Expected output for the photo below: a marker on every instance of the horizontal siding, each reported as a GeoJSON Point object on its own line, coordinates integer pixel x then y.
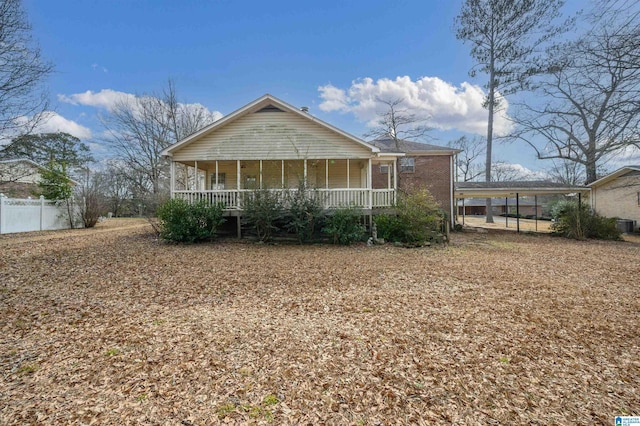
{"type": "Point", "coordinates": [271, 136]}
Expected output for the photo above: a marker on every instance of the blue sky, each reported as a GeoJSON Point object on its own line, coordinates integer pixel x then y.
{"type": "Point", "coordinates": [224, 54]}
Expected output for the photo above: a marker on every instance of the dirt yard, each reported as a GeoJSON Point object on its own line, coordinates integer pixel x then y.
{"type": "Point", "coordinates": [110, 326]}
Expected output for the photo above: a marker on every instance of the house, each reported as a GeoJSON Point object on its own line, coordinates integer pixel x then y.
{"type": "Point", "coordinates": [618, 194]}
{"type": "Point", "coordinates": [423, 164]}
{"type": "Point", "coordinates": [500, 206]}
{"type": "Point", "coordinates": [19, 177]}
{"type": "Point", "coordinates": [270, 144]}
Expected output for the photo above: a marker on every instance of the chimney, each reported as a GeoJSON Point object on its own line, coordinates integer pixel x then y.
{"type": "Point", "coordinates": [304, 109]}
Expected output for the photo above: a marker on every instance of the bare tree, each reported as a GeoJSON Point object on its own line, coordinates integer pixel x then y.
{"type": "Point", "coordinates": [140, 128]}
{"type": "Point", "coordinates": [398, 124]}
{"type": "Point", "coordinates": [566, 172]}
{"type": "Point", "coordinates": [591, 93]}
{"type": "Point", "coordinates": [22, 72]}
{"type": "Point", "coordinates": [467, 165]}
{"type": "Point", "coordinates": [506, 172]}
{"type": "Point", "coordinates": [505, 38]}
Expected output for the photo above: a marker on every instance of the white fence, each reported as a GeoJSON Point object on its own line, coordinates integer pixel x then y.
{"type": "Point", "coordinates": [25, 215]}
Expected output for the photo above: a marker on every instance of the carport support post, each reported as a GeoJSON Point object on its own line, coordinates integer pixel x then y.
{"type": "Point", "coordinates": [506, 212]}
{"type": "Point", "coordinates": [518, 211]}
{"type": "Point", "coordinates": [464, 211]}
{"type": "Point", "coordinates": [535, 202]}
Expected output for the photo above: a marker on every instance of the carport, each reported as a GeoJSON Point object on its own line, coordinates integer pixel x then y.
{"type": "Point", "coordinates": [516, 189]}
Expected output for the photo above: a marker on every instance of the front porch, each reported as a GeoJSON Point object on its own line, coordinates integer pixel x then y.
{"type": "Point", "coordinates": [334, 182]}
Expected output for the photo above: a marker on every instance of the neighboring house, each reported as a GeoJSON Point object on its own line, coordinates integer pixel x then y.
{"type": "Point", "coordinates": [500, 206]}
{"type": "Point", "coordinates": [272, 145]}
{"type": "Point", "coordinates": [618, 194]}
{"type": "Point", "coordinates": [431, 166]}
{"type": "Point", "coordinates": [19, 178]}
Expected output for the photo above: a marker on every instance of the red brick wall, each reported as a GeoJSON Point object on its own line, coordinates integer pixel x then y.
{"type": "Point", "coordinates": [431, 171]}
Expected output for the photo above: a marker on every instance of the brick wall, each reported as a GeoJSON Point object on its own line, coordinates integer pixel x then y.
{"type": "Point", "coordinates": [431, 171]}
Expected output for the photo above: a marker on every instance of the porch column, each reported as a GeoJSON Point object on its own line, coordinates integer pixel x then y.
{"type": "Point", "coordinates": [389, 175]}
{"type": "Point", "coordinates": [196, 178]}
{"type": "Point", "coordinates": [326, 173]}
{"type": "Point", "coordinates": [370, 185]}
{"type": "Point", "coordinates": [348, 174]}
{"type": "Point", "coordinates": [395, 179]}
{"type": "Point", "coordinates": [217, 187]}
{"type": "Point", "coordinates": [282, 170]}
{"type": "Point", "coordinates": [173, 178]}
{"type": "Point", "coordinates": [305, 172]}
{"type": "Point", "coordinates": [260, 174]}
{"type": "Point", "coordinates": [238, 173]}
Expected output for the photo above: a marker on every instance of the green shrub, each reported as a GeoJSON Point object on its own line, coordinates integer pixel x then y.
{"type": "Point", "coordinates": [343, 226]}
{"type": "Point", "coordinates": [303, 213]}
{"type": "Point", "coordinates": [418, 219]}
{"type": "Point", "coordinates": [263, 209]}
{"type": "Point", "coordinates": [183, 222]}
{"type": "Point", "coordinates": [573, 220]}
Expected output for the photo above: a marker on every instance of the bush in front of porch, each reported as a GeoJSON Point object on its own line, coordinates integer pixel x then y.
{"type": "Point", "coordinates": [418, 219]}
{"type": "Point", "coordinates": [184, 222]}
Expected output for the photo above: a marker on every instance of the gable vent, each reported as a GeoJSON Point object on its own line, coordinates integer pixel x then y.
{"type": "Point", "coordinates": [270, 108]}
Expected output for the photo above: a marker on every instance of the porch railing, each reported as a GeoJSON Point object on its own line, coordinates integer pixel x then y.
{"type": "Point", "coordinates": [232, 199]}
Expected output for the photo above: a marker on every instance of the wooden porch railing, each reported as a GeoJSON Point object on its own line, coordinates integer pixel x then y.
{"type": "Point", "coordinates": [330, 198]}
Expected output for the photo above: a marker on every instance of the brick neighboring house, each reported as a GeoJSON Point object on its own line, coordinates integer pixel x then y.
{"type": "Point", "coordinates": [422, 164]}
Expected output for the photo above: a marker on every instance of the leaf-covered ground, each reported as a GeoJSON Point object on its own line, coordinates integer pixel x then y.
{"type": "Point", "coordinates": [111, 326]}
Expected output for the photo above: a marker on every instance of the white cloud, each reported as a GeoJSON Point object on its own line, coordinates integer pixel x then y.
{"type": "Point", "coordinates": [106, 98]}
{"type": "Point", "coordinates": [52, 122]}
{"type": "Point", "coordinates": [109, 99]}
{"type": "Point", "coordinates": [447, 106]}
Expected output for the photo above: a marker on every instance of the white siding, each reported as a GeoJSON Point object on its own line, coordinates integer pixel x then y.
{"type": "Point", "coordinates": [271, 136]}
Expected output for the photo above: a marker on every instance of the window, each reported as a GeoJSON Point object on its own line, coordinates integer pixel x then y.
{"type": "Point", "coordinates": [639, 198]}
{"type": "Point", "coordinates": [407, 165]}
{"type": "Point", "coordinates": [222, 177]}
{"type": "Point", "coordinates": [384, 169]}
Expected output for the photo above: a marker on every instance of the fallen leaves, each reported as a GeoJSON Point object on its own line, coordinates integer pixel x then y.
{"type": "Point", "coordinates": [110, 326]}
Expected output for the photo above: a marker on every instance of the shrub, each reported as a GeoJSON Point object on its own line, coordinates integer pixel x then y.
{"type": "Point", "coordinates": [262, 211]}
{"type": "Point", "coordinates": [183, 222]}
{"type": "Point", "coordinates": [303, 213]}
{"type": "Point", "coordinates": [418, 219]}
{"type": "Point", "coordinates": [343, 226]}
{"type": "Point", "coordinates": [573, 220]}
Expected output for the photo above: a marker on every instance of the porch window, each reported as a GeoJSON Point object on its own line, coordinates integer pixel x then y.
{"type": "Point", "coordinates": [639, 198]}
{"type": "Point", "coordinates": [222, 177]}
{"type": "Point", "coordinates": [407, 165]}
{"type": "Point", "coordinates": [384, 169]}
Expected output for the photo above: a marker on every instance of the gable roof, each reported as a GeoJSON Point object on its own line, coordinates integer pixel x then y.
{"type": "Point", "coordinates": [267, 102]}
{"type": "Point", "coordinates": [388, 145]}
{"type": "Point", "coordinates": [23, 160]}
{"type": "Point", "coordinates": [611, 176]}
{"type": "Point", "coordinates": [33, 164]}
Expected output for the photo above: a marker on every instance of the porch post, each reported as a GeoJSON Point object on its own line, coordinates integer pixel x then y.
{"type": "Point", "coordinates": [326, 173]}
{"type": "Point", "coordinates": [217, 187]}
{"type": "Point", "coordinates": [348, 174]}
{"type": "Point", "coordinates": [260, 174]}
{"type": "Point", "coordinates": [395, 179]}
{"type": "Point", "coordinates": [238, 173]}
{"type": "Point", "coordinates": [282, 170]}
{"type": "Point", "coordinates": [370, 184]}
{"type": "Point", "coordinates": [173, 178]}
{"type": "Point", "coordinates": [389, 175]}
{"type": "Point", "coordinates": [305, 172]}
{"type": "Point", "coordinates": [196, 177]}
